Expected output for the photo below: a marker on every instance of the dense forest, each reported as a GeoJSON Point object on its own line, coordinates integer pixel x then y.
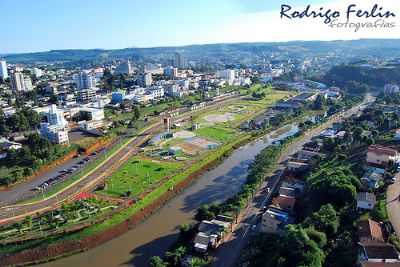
{"type": "Point", "coordinates": [360, 79]}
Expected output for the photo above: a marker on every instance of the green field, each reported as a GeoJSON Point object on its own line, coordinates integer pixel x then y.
{"type": "Point", "coordinates": [216, 133]}
{"type": "Point", "coordinates": [138, 175]}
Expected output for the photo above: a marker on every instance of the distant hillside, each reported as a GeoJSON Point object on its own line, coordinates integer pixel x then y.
{"type": "Point", "coordinates": [379, 47]}
{"type": "Point", "coordinates": [360, 78]}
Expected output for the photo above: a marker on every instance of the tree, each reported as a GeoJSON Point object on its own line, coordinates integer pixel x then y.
{"type": "Point", "coordinates": [325, 220]}
{"type": "Point", "coordinates": [334, 185]}
{"type": "Point", "coordinates": [294, 248]}
{"type": "Point", "coordinates": [136, 112]}
{"type": "Point", "coordinates": [157, 262]}
{"type": "Point", "coordinates": [204, 213]}
{"type": "Point", "coordinates": [343, 251]}
{"type": "Point", "coordinates": [318, 237]}
{"type": "Point", "coordinates": [300, 249]}
{"type": "Point", "coordinates": [186, 232]}
{"type": "Point", "coordinates": [175, 256]}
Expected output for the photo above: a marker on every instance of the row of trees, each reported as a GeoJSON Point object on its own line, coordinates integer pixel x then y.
{"type": "Point", "coordinates": [23, 120]}
{"type": "Point", "coordinates": [35, 153]}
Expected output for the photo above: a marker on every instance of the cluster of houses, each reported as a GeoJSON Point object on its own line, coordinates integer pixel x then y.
{"type": "Point", "coordinates": [378, 159]}
{"type": "Point", "coordinates": [280, 212]}
{"type": "Point", "coordinates": [212, 233]}
{"type": "Point", "coordinates": [374, 249]}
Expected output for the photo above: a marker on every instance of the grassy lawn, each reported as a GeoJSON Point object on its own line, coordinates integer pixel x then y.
{"type": "Point", "coordinates": [222, 135]}
{"type": "Point", "coordinates": [137, 175]}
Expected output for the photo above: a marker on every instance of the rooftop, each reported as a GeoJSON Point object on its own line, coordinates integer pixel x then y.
{"type": "Point", "coordinates": [365, 196]}
{"type": "Point", "coordinates": [369, 229]}
{"type": "Point", "coordinates": [380, 251]}
{"type": "Point", "coordinates": [381, 150]}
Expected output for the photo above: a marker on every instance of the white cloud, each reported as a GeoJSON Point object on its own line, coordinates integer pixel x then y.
{"type": "Point", "coordinates": [268, 26]}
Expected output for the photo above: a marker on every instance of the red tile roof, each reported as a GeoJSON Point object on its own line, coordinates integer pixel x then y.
{"type": "Point", "coordinates": [370, 230]}
{"type": "Point", "coordinates": [381, 150]}
{"type": "Point", "coordinates": [284, 202]}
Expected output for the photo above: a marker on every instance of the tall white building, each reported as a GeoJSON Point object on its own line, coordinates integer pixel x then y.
{"type": "Point", "coordinates": [147, 79]}
{"type": "Point", "coordinates": [20, 82]}
{"type": "Point", "coordinates": [179, 60]}
{"type": "Point", "coordinates": [56, 117]}
{"type": "Point", "coordinates": [56, 127]}
{"type": "Point", "coordinates": [28, 83]}
{"type": "Point", "coordinates": [37, 72]}
{"type": "Point", "coordinates": [227, 75]}
{"type": "Point", "coordinates": [84, 80]}
{"type": "Point", "coordinates": [171, 72]}
{"type": "Point", "coordinates": [125, 68]}
{"type": "Point", "coordinates": [17, 82]}
{"type": "Point", "coordinates": [3, 69]}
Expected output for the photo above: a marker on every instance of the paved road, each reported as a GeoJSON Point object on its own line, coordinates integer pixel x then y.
{"type": "Point", "coordinates": [228, 254]}
{"type": "Point", "coordinates": [393, 204]}
{"type": "Point", "coordinates": [24, 190]}
{"type": "Point", "coordinates": [89, 181]}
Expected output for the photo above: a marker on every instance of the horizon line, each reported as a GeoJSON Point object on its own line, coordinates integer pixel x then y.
{"type": "Point", "coordinates": [188, 45]}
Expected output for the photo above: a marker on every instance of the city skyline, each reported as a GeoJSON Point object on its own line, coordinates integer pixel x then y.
{"type": "Point", "coordinates": [45, 25]}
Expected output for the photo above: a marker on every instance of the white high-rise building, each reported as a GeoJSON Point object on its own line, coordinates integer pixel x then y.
{"type": "Point", "coordinates": [84, 80]}
{"type": "Point", "coordinates": [3, 69]}
{"type": "Point", "coordinates": [17, 82]}
{"type": "Point", "coordinates": [20, 82]}
{"type": "Point", "coordinates": [28, 83]}
{"type": "Point", "coordinates": [37, 72]}
{"type": "Point", "coordinates": [147, 80]}
{"type": "Point", "coordinates": [171, 72]}
{"type": "Point", "coordinates": [56, 117]}
{"type": "Point", "coordinates": [179, 61]}
{"type": "Point", "coordinates": [228, 75]}
{"type": "Point", "coordinates": [125, 68]}
{"type": "Point", "coordinates": [56, 129]}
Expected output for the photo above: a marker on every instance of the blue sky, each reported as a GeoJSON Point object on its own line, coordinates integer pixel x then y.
{"type": "Point", "coordinates": [39, 25]}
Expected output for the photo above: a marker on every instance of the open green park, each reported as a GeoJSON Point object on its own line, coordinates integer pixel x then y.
{"type": "Point", "coordinates": [137, 175]}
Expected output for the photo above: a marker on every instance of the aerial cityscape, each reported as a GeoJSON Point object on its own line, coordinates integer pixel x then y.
{"type": "Point", "coordinates": [142, 134]}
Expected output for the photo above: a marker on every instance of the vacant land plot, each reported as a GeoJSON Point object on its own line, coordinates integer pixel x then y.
{"type": "Point", "coordinates": [184, 134]}
{"type": "Point", "coordinates": [137, 176]}
{"type": "Point", "coordinates": [218, 118]}
{"type": "Point", "coordinates": [216, 133]}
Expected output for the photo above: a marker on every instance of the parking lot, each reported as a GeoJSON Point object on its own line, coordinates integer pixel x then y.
{"type": "Point", "coordinates": [44, 182]}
